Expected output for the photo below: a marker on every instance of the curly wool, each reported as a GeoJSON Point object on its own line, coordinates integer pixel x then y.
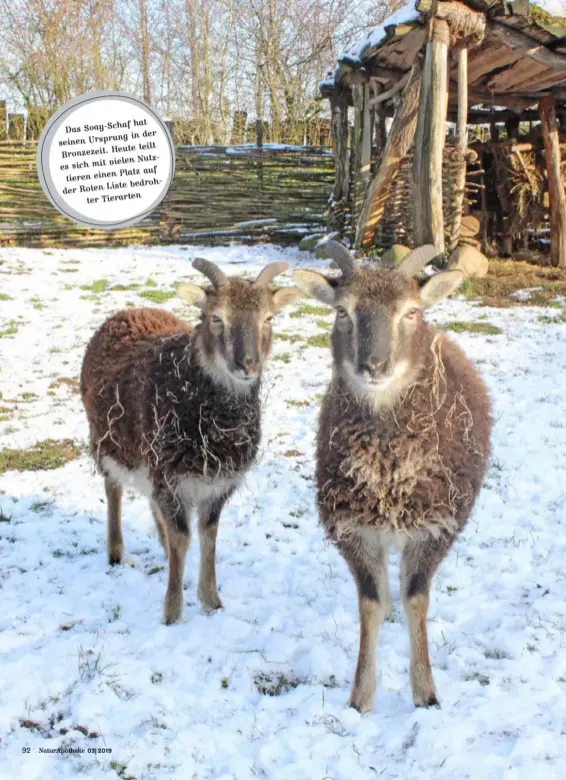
{"type": "Point", "coordinates": [416, 465]}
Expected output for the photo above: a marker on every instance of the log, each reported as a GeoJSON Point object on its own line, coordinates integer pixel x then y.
{"type": "Point", "coordinates": [461, 145]}
{"type": "Point", "coordinates": [429, 143]}
{"type": "Point", "coordinates": [398, 143]}
{"type": "Point", "coordinates": [383, 96]}
{"type": "Point", "coordinates": [340, 132]}
{"type": "Point", "coordinates": [547, 108]}
{"type": "Point", "coordinates": [367, 128]}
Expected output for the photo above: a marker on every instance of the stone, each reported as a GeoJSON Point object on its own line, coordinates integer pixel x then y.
{"type": "Point", "coordinates": [470, 261]}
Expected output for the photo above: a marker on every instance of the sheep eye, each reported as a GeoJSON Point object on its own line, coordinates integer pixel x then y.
{"type": "Point", "coordinates": [216, 319]}
{"type": "Point", "coordinates": [341, 312]}
{"type": "Point", "coordinates": [410, 314]}
{"type": "Point", "coordinates": [268, 319]}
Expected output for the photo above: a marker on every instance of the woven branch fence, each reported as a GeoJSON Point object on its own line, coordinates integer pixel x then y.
{"type": "Point", "coordinates": [218, 194]}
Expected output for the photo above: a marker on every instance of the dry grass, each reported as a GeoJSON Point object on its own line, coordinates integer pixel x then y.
{"type": "Point", "coordinates": [508, 276]}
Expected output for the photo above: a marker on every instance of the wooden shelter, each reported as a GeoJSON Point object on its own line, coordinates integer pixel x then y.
{"type": "Point", "coordinates": [476, 91]}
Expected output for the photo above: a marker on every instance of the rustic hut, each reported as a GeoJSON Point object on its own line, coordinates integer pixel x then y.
{"type": "Point", "coordinates": [475, 94]}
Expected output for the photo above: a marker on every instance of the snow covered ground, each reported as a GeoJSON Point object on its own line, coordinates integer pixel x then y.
{"type": "Point", "coordinates": [85, 660]}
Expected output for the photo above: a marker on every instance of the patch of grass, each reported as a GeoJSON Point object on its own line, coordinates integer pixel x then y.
{"type": "Point", "coordinates": [124, 287]}
{"type": "Point", "coordinates": [42, 456]}
{"type": "Point", "coordinates": [284, 357]}
{"type": "Point", "coordinates": [98, 286]}
{"type": "Point", "coordinates": [506, 277]}
{"type": "Point", "coordinates": [275, 684]}
{"type": "Point", "coordinates": [307, 308]}
{"type": "Point", "coordinates": [5, 297]}
{"type": "Point", "coordinates": [459, 326]}
{"type": "Point", "coordinates": [224, 683]}
{"type": "Point", "coordinates": [37, 303]}
{"type": "Point", "coordinates": [545, 319]}
{"type": "Point", "coordinates": [321, 340]}
{"type": "Point", "coordinates": [120, 770]}
{"type": "Point", "coordinates": [156, 678]}
{"type": "Point", "coordinates": [293, 338]}
{"type": "Point", "coordinates": [150, 282]}
{"type": "Point", "coordinates": [498, 655]}
{"type": "Point", "coordinates": [157, 296]}
{"type": "Point", "coordinates": [481, 678]}
{"type": "Point", "coordinates": [324, 324]}
{"type": "Point", "coordinates": [156, 569]}
{"type": "Point", "coordinates": [67, 381]}
{"type": "Point", "coordinates": [292, 402]}
{"type": "Point", "coordinates": [10, 330]}
{"type": "Point", "coordinates": [29, 396]}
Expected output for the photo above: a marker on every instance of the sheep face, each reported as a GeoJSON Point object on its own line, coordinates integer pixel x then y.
{"type": "Point", "coordinates": [234, 334]}
{"type": "Point", "coordinates": [376, 335]}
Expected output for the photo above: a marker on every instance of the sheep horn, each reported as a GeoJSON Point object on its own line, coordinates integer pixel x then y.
{"type": "Point", "coordinates": [211, 271]}
{"type": "Point", "coordinates": [269, 272]}
{"type": "Point", "coordinates": [345, 259]}
{"type": "Point", "coordinates": [415, 261]}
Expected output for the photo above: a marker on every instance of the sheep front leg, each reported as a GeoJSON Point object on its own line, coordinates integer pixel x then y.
{"type": "Point", "coordinates": [209, 517]}
{"type": "Point", "coordinates": [161, 527]}
{"type": "Point", "coordinates": [115, 539]}
{"type": "Point", "coordinates": [365, 556]}
{"type": "Point", "coordinates": [419, 561]}
{"type": "Point", "coordinates": [176, 518]}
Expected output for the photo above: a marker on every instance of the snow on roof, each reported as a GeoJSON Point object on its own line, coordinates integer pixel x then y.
{"type": "Point", "coordinates": [375, 35]}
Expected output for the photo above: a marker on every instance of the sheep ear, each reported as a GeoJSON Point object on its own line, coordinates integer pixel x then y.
{"type": "Point", "coordinates": [440, 286]}
{"type": "Point", "coordinates": [285, 296]}
{"type": "Point", "coordinates": [192, 294]}
{"type": "Point", "coordinates": [315, 286]}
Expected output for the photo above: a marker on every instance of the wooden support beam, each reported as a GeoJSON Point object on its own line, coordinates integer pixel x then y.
{"type": "Point", "coordinates": [340, 131]}
{"type": "Point", "coordinates": [428, 225]}
{"type": "Point", "coordinates": [459, 183]}
{"type": "Point", "coordinates": [367, 132]}
{"type": "Point", "coordinates": [547, 108]}
{"type": "Point", "coordinates": [383, 96]}
{"type": "Point", "coordinates": [398, 143]}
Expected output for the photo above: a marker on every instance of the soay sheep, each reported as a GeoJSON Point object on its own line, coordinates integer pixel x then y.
{"type": "Point", "coordinates": [176, 412]}
{"type": "Point", "coordinates": [403, 445]}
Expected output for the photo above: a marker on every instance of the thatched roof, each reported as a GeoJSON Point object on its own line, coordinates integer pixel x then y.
{"type": "Point", "coordinates": [517, 51]}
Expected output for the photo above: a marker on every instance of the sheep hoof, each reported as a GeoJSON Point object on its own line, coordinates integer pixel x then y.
{"type": "Point", "coordinates": [210, 603]}
{"type": "Point", "coordinates": [361, 701]}
{"type": "Point", "coordinates": [115, 557]}
{"type": "Point", "coordinates": [430, 701]}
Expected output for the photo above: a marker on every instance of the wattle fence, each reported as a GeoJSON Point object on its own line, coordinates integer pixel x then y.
{"type": "Point", "coordinates": [218, 194]}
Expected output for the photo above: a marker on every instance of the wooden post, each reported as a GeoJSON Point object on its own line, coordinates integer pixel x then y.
{"type": "Point", "coordinates": [3, 120]}
{"type": "Point", "coordinates": [547, 110]}
{"type": "Point", "coordinates": [429, 142]}
{"type": "Point", "coordinates": [340, 132]}
{"type": "Point", "coordinates": [365, 171]}
{"type": "Point", "coordinates": [398, 143]}
{"type": "Point", "coordinates": [459, 182]}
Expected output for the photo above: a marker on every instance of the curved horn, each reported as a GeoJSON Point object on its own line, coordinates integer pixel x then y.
{"type": "Point", "coordinates": [416, 260]}
{"type": "Point", "coordinates": [269, 272]}
{"type": "Point", "coordinates": [345, 259]}
{"type": "Point", "coordinates": [211, 271]}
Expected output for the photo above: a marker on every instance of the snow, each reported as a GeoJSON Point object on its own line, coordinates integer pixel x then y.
{"type": "Point", "coordinates": [375, 35]}
{"type": "Point", "coordinates": [82, 645]}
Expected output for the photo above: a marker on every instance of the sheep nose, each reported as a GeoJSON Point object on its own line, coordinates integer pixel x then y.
{"type": "Point", "coordinates": [373, 364]}
{"type": "Point", "coordinates": [247, 364]}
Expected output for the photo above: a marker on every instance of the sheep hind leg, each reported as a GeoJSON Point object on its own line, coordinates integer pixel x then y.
{"type": "Point", "coordinates": [365, 556]}
{"type": "Point", "coordinates": [176, 518]}
{"type": "Point", "coordinates": [209, 517]}
{"type": "Point", "coordinates": [161, 527]}
{"type": "Point", "coordinates": [115, 539]}
{"type": "Point", "coordinates": [419, 561]}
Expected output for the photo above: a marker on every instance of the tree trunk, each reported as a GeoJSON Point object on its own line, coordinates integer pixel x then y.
{"type": "Point", "coordinates": [340, 131]}
{"type": "Point", "coordinates": [145, 52]}
{"type": "Point", "coordinates": [547, 109]}
{"type": "Point", "coordinates": [429, 143]}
